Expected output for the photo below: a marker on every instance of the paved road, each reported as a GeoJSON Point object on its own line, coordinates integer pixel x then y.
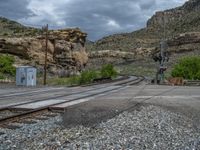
{"type": "Point", "coordinates": [184, 100]}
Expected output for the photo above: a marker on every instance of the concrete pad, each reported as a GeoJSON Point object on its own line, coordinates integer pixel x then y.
{"type": "Point", "coordinates": [91, 94]}
{"type": "Point", "coordinates": [37, 105]}
{"type": "Point", "coordinates": [16, 93]}
{"type": "Point", "coordinates": [67, 104]}
{"type": "Point", "coordinates": [182, 99]}
{"type": "Point", "coordinates": [100, 95]}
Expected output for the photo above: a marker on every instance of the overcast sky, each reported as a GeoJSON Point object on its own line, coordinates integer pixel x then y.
{"type": "Point", "coordinates": [96, 17]}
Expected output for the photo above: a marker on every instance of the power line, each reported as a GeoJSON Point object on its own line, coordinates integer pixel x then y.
{"type": "Point", "coordinates": [39, 25]}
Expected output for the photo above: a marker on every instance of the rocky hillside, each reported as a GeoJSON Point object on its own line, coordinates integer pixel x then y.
{"type": "Point", "coordinates": [66, 48]}
{"type": "Point", "coordinates": [184, 19]}
{"type": "Point", "coordinates": [9, 28]}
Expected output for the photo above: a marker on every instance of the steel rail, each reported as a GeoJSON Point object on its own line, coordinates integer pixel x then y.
{"type": "Point", "coordinates": [55, 97]}
{"type": "Point", "coordinates": [32, 93]}
{"type": "Point", "coordinates": [46, 108]}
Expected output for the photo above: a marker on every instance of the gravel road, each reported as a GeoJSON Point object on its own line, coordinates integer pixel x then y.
{"type": "Point", "coordinates": [150, 127]}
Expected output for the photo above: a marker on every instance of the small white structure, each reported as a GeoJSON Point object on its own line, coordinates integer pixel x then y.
{"type": "Point", "coordinates": [26, 76]}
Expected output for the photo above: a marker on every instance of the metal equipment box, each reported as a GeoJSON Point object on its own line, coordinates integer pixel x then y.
{"type": "Point", "coordinates": [26, 76]}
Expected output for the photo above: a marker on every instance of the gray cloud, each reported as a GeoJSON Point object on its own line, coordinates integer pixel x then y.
{"type": "Point", "coordinates": [146, 5]}
{"type": "Point", "coordinates": [14, 9]}
{"type": "Point", "coordinates": [97, 17]}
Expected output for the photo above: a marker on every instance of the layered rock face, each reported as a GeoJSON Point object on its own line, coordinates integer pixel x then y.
{"type": "Point", "coordinates": [66, 51]}
{"type": "Point", "coordinates": [98, 58]}
{"type": "Point", "coordinates": [164, 17]}
{"type": "Point", "coordinates": [69, 50]}
{"type": "Point", "coordinates": [185, 42]}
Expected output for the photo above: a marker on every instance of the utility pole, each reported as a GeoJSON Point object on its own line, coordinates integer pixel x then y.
{"type": "Point", "coordinates": [46, 49]}
{"type": "Point", "coordinates": [163, 48]}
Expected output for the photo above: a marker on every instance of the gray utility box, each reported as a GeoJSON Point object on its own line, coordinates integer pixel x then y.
{"type": "Point", "coordinates": [26, 76]}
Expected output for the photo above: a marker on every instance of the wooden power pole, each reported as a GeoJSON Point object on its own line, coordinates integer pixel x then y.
{"type": "Point", "coordinates": [46, 49]}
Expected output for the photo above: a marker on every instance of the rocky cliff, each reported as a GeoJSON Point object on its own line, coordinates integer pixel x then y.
{"type": "Point", "coordinates": [66, 51]}
{"type": "Point", "coordinates": [178, 20]}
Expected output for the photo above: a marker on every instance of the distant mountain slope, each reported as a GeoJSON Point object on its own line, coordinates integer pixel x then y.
{"type": "Point", "coordinates": [13, 28]}
{"type": "Point", "coordinates": [178, 20]}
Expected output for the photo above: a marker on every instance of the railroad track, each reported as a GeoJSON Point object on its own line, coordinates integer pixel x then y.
{"type": "Point", "coordinates": [44, 109]}
{"type": "Point", "coordinates": [193, 83]}
{"type": "Point", "coordinates": [51, 89]}
{"type": "Point", "coordinates": [27, 93]}
{"type": "Point", "coordinates": [24, 95]}
{"type": "Point", "coordinates": [31, 92]}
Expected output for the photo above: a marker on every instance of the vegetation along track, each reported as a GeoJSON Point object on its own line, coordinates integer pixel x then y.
{"type": "Point", "coordinates": [27, 114]}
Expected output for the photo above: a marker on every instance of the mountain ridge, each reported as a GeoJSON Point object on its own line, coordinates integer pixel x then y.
{"type": "Point", "coordinates": [10, 28]}
{"type": "Point", "coordinates": [185, 18]}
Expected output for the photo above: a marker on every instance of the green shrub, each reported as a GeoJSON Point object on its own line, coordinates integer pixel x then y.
{"type": "Point", "coordinates": [188, 68]}
{"type": "Point", "coordinates": [74, 80]}
{"type": "Point", "coordinates": [108, 71]}
{"type": "Point", "coordinates": [6, 65]}
{"type": "Point", "coordinates": [2, 76]}
{"type": "Point", "coordinates": [197, 76]}
{"type": "Point", "coordinates": [88, 76]}
{"type": "Point", "coordinates": [5, 34]}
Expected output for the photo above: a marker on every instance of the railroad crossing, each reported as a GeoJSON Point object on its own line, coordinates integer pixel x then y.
{"type": "Point", "coordinates": [118, 96]}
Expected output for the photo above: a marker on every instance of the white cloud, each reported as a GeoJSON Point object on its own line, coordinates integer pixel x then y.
{"type": "Point", "coordinates": [47, 11]}
{"type": "Point", "coordinates": [113, 24]}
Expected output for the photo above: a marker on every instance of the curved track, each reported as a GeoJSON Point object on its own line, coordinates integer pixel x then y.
{"type": "Point", "coordinates": [61, 92]}
{"type": "Point", "coordinates": [51, 89]}
{"type": "Point", "coordinates": [111, 87]}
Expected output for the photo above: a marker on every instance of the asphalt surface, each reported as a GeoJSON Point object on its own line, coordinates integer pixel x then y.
{"type": "Point", "coordinates": [182, 100]}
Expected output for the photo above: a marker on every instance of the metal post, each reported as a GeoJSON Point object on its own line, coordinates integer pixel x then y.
{"type": "Point", "coordinates": [164, 24]}
{"type": "Point", "coordinates": [162, 55]}
{"type": "Point", "coordinates": [162, 52]}
{"type": "Point", "coordinates": [163, 49]}
{"type": "Point", "coordinates": [46, 49]}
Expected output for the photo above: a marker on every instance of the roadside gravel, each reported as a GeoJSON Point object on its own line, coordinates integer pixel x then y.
{"type": "Point", "coordinates": [151, 127]}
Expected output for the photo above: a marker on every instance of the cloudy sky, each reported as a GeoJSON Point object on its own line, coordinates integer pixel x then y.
{"type": "Point", "coordinates": [96, 17]}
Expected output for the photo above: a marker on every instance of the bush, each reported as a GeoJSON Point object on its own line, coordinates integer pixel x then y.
{"type": "Point", "coordinates": [188, 68]}
{"type": "Point", "coordinates": [108, 71]}
{"type": "Point", "coordinates": [2, 76]}
{"type": "Point", "coordinates": [5, 34]}
{"type": "Point", "coordinates": [6, 65]}
{"type": "Point", "coordinates": [88, 76]}
{"type": "Point", "coordinates": [74, 80]}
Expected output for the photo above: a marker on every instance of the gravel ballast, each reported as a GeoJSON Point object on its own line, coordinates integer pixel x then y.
{"type": "Point", "coordinates": [151, 127]}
